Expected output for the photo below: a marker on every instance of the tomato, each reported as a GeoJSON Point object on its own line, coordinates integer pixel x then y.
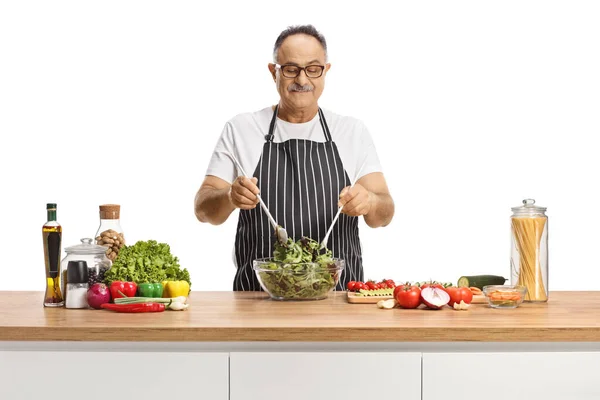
{"type": "Point", "coordinates": [401, 286]}
{"type": "Point", "coordinates": [371, 285]}
{"type": "Point", "coordinates": [459, 293]}
{"type": "Point", "coordinates": [387, 283]}
{"type": "Point", "coordinates": [408, 296]}
{"type": "Point", "coordinates": [359, 285]}
{"type": "Point", "coordinates": [432, 284]}
{"type": "Point", "coordinates": [351, 286]}
{"type": "Point", "coordinates": [397, 289]}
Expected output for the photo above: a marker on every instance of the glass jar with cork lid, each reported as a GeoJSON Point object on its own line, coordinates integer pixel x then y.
{"type": "Point", "coordinates": [529, 250]}
{"type": "Point", "coordinates": [110, 234]}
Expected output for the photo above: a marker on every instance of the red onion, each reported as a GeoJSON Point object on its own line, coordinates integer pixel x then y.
{"type": "Point", "coordinates": [434, 298]}
{"type": "Point", "coordinates": [97, 295]}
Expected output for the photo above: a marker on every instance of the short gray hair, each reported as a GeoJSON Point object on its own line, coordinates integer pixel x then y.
{"type": "Point", "coordinates": [299, 29]}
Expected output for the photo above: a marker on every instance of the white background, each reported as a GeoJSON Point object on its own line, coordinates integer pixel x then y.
{"type": "Point", "coordinates": [473, 106]}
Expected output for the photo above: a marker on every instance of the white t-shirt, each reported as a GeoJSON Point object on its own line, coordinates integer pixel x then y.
{"type": "Point", "coordinates": [244, 135]}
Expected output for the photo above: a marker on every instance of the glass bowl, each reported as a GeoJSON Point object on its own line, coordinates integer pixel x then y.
{"type": "Point", "coordinates": [298, 281]}
{"type": "Point", "coordinates": [504, 296]}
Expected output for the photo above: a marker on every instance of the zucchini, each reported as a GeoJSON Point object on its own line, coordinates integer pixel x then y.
{"type": "Point", "coordinates": [479, 281]}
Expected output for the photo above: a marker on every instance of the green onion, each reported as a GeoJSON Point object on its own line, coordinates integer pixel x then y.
{"type": "Point", "coordinates": [136, 300]}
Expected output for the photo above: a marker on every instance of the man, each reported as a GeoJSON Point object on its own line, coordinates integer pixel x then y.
{"type": "Point", "coordinates": [303, 161]}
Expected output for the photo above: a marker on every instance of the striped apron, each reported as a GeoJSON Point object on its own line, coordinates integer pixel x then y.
{"type": "Point", "coordinates": [300, 181]}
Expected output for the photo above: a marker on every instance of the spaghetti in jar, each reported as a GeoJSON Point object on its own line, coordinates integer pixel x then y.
{"type": "Point", "coordinates": [529, 250]}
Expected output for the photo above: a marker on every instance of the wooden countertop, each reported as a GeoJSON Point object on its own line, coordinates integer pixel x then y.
{"type": "Point", "coordinates": [252, 316]}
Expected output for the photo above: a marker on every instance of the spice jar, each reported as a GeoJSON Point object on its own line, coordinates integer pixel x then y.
{"type": "Point", "coordinates": [95, 257]}
{"type": "Point", "coordinates": [109, 234]}
{"type": "Point", "coordinates": [77, 284]}
{"type": "Point", "coordinates": [529, 250]}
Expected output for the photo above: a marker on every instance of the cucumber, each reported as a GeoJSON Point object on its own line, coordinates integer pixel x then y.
{"type": "Point", "coordinates": [376, 292]}
{"type": "Point", "coordinates": [479, 281]}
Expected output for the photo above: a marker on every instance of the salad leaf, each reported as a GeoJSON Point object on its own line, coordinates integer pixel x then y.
{"type": "Point", "coordinates": [303, 270]}
{"type": "Point", "coordinates": [304, 250]}
{"type": "Point", "coordinates": [146, 262]}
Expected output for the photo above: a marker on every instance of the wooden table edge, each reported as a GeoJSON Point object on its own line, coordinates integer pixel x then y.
{"type": "Point", "coordinates": [269, 334]}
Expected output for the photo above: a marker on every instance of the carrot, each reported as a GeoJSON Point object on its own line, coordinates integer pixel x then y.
{"type": "Point", "coordinates": [511, 296]}
{"type": "Point", "coordinates": [475, 290]}
{"type": "Point", "coordinates": [496, 296]}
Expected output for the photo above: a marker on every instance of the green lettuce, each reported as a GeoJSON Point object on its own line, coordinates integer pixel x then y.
{"type": "Point", "coordinates": [146, 262]}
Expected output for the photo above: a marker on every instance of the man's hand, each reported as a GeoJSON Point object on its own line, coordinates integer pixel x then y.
{"type": "Point", "coordinates": [243, 193]}
{"type": "Point", "coordinates": [370, 198]}
{"type": "Point", "coordinates": [356, 200]}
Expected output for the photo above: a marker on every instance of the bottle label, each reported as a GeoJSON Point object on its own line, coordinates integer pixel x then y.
{"type": "Point", "coordinates": [53, 253]}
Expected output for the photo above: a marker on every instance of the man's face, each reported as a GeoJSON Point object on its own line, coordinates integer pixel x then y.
{"type": "Point", "coordinates": [302, 91]}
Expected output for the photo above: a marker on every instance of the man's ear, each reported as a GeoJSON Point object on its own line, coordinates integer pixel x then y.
{"type": "Point", "coordinates": [273, 71]}
{"type": "Point", "coordinates": [327, 66]}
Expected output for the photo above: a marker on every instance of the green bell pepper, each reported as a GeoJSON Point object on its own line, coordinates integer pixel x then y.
{"type": "Point", "coordinates": [150, 290]}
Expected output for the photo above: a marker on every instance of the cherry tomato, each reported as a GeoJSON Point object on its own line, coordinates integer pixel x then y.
{"type": "Point", "coordinates": [386, 284]}
{"type": "Point", "coordinates": [351, 286]}
{"type": "Point", "coordinates": [371, 285]}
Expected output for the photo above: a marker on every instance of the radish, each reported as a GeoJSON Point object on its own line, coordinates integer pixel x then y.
{"type": "Point", "coordinates": [434, 298]}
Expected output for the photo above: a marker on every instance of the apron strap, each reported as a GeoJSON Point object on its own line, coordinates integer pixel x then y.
{"type": "Point", "coordinates": [270, 135]}
{"type": "Point", "coordinates": [324, 125]}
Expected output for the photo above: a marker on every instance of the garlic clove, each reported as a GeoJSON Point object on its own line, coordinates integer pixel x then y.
{"type": "Point", "coordinates": [177, 306]}
{"type": "Point", "coordinates": [389, 304]}
{"type": "Point", "coordinates": [462, 306]}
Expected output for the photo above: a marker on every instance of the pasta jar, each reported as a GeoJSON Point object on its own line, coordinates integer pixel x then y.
{"type": "Point", "coordinates": [529, 250]}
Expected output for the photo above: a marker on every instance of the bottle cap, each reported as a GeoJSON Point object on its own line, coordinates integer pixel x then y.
{"type": "Point", "coordinates": [77, 271]}
{"type": "Point", "coordinates": [51, 206]}
{"type": "Point", "coordinates": [110, 211]}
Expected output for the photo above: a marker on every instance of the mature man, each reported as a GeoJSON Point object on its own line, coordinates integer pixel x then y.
{"type": "Point", "coordinates": [303, 160]}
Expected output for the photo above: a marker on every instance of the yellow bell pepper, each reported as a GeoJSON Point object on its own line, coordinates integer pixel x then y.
{"type": "Point", "coordinates": [176, 288]}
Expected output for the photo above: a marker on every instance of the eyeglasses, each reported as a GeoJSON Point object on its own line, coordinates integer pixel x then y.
{"type": "Point", "coordinates": [292, 71]}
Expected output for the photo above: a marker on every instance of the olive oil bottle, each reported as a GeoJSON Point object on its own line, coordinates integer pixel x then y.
{"type": "Point", "coordinates": [52, 235]}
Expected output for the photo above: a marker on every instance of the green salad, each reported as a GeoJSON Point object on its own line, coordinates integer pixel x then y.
{"type": "Point", "coordinates": [303, 270]}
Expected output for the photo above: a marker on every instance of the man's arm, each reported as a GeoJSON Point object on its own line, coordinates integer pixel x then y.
{"type": "Point", "coordinates": [381, 210]}
{"type": "Point", "coordinates": [212, 203]}
{"type": "Point", "coordinates": [371, 198]}
{"type": "Point", "coordinates": [216, 199]}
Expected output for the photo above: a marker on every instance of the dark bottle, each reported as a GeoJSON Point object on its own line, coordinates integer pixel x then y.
{"type": "Point", "coordinates": [52, 235]}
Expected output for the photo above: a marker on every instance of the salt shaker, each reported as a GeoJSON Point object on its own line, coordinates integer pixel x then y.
{"type": "Point", "coordinates": [77, 284]}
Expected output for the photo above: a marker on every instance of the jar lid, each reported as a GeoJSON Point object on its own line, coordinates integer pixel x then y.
{"type": "Point", "coordinates": [86, 247]}
{"type": "Point", "coordinates": [528, 207]}
{"type": "Point", "coordinates": [110, 211]}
